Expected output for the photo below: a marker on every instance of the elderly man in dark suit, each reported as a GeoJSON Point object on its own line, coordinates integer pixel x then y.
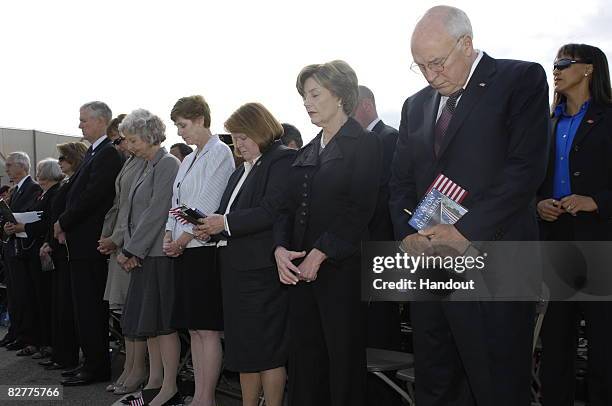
{"type": "Point", "coordinates": [91, 195]}
{"type": "Point", "coordinates": [23, 330]}
{"type": "Point", "coordinates": [483, 123]}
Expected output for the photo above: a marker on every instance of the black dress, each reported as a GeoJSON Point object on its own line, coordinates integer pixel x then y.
{"type": "Point", "coordinates": [254, 301]}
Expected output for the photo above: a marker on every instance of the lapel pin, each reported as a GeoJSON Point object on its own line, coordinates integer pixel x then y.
{"type": "Point", "coordinates": [482, 84]}
{"type": "Point", "coordinates": [590, 121]}
{"type": "Point", "coordinates": [258, 163]}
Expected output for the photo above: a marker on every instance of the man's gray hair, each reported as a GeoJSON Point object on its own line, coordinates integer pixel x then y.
{"type": "Point", "coordinates": [99, 109]}
{"type": "Point", "coordinates": [366, 93]}
{"type": "Point", "coordinates": [150, 128]}
{"type": "Point", "coordinates": [455, 20]}
{"type": "Point", "coordinates": [49, 169]}
{"type": "Point", "coordinates": [20, 158]}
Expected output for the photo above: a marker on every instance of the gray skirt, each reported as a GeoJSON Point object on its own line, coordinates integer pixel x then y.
{"type": "Point", "coordinates": [148, 306]}
{"type": "Point", "coordinates": [117, 283]}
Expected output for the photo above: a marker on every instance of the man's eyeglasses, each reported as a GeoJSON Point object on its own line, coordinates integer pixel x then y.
{"type": "Point", "coordinates": [61, 158]}
{"type": "Point", "coordinates": [436, 67]}
{"type": "Point", "coordinates": [565, 63]}
{"type": "Point", "coordinates": [118, 141]}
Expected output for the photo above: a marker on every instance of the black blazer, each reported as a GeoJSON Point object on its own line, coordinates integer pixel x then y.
{"type": "Point", "coordinates": [21, 201]}
{"type": "Point", "coordinates": [381, 227]}
{"type": "Point", "coordinates": [495, 147]}
{"type": "Point", "coordinates": [255, 208]}
{"type": "Point", "coordinates": [39, 230]}
{"type": "Point", "coordinates": [90, 196]}
{"type": "Point", "coordinates": [590, 163]}
{"type": "Point", "coordinates": [332, 196]}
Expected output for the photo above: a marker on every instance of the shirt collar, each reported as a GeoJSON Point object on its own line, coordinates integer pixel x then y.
{"type": "Point", "coordinates": [373, 124]}
{"type": "Point", "coordinates": [212, 141]}
{"type": "Point", "coordinates": [561, 109]}
{"type": "Point", "coordinates": [21, 182]}
{"type": "Point", "coordinates": [249, 165]}
{"type": "Point", "coordinates": [474, 66]}
{"type": "Point", "coordinates": [98, 142]}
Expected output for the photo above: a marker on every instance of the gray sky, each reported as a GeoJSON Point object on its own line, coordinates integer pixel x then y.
{"type": "Point", "coordinates": [146, 54]}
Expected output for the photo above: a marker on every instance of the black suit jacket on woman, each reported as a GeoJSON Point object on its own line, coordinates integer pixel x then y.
{"type": "Point", "coordinates": [590, 161]}
{"type": "Point", "coordinates": [255, 208]}
{"type": "Point", "coordinates": [332, 196]}
{"type": "Point", "coordinates": [39, 230]}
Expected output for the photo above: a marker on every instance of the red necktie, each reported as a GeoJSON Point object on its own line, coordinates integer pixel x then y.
{"type": "Point", "coordinates": [445, 119]}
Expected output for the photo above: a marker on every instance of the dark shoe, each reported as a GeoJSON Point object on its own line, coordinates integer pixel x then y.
{"type": "Point", "coordinates": [71, 372]}
{"type": "Point", "coordinates": [85, 378]}
{"type": "Point", "coordinates": [175, 400]}
{"type": "Point", "coordinates": [26, 351]}
{"type": "Point", "coordinates": [6, 340]}
{"type": "Point", "coordinates": [55, 366]}
{"type": "Point", "coordinates": [15, 345]}
{"type": "Point", "coordinates": [43, 352]}
{"type": "Point", "coordinates": [46, 363]}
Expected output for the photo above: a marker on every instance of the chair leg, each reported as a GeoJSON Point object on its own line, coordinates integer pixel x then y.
{"type": "Point", "coordinates": [395, 387]}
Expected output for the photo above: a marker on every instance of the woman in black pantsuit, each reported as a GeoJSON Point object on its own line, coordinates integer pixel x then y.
{"type": "Point", "coordinates": [333, 186]}
{"type": "Point", "coordinates": [575, 204]}
{"type": "Point", "coordinates": [254, 301]}
{"type": "Point", "coordinates": [63, 333]}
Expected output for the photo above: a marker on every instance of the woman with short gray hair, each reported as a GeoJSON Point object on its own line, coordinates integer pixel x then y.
{"type": "Point", "coordinates": [148, 306]}
{"type": "Point", "coordinates": [117, 281]}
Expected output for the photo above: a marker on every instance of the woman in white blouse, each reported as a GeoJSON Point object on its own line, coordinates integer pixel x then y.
{"type": "Point", "coordinates": [199, 184]}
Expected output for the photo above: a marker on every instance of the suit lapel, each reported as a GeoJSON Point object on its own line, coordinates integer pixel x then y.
{"type": "Point", "coordinates": [476, 88]}
{"type": "Point", "coordinates": [590, 119]}
{"type": "Point", "coordinates": [430, 113]}
{"type": "Point", "coordinates": [231, 185]}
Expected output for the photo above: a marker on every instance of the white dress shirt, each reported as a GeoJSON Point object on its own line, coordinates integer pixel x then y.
{"type": "Point", "coordinates": [247, 169]}
{"type": "Point", "coordinates": [97, 142]}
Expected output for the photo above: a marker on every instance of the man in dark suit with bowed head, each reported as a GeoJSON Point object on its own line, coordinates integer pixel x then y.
{"type": "Point", "coordinates": [483, 123]}
{"type": "Point", "coordinates": [91, 195]}
{"type": "Point", "coordinates": [23, 329]}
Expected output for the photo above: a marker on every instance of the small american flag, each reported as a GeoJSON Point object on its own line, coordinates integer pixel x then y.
{"type": "Point", "coordinates": [449, 188]}
{"type": "Point", "coordinates": [176, 212]}
{"type": "Point", "coordinates": [137, 402]}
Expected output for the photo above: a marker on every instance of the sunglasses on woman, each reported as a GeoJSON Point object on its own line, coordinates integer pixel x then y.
{"type": "Point", "coordinates": [118, 141]}
{"type": "Point", "coordinates": [565, 63]}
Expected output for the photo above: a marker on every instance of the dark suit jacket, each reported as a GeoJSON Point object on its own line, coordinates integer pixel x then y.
{"type": "Point", "coordinates": [495, 147]}
{"type": "Point", "coordinates": [21, 201]}
{"type": "Point", "coordinates": [90, 196]}
{"type": "Point", "coordinates": [255, 208]}
{"type": "Point", "coordinates": [590, 163]}
{"type": "Point", "coordinates": [39, 230]}
{"type": "Point", "coordinates": [332, 196]}
{"type": "Point", "coordinates": [381, 227]}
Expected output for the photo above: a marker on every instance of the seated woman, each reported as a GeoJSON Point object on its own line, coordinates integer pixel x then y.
{"type": "Point", "coordinates": [254, 300]}
{"type": "Point", "coordinates": [148, 305]}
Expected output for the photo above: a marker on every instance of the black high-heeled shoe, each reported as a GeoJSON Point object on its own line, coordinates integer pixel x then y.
{"type": "Point", "coordinates": [175, 400]}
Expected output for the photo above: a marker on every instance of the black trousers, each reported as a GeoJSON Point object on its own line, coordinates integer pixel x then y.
{"type": "Point", "coordinates": [88, 281]}
{"type": "Point", "coordinates": [559, 341]}
{"type": "Point", "coordinates": [41, 283]}
{"type": "Point", "coordinates": [473, 353]}
{"type": "Point", "coordinates": [64, 336]}
{"type": "Point", "coordinates": [327, 353]}
{"type": "Point", "coordinates": [23, 304]}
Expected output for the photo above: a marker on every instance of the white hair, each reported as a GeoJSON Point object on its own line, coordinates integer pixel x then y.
{"type": "Point", "coordinates": [20, 158]}
{"type": "Point", "coordinates": [455, 20]}
{"type": "Point", "coordinates": [99, 109]}
{"type": "Point", "coordinates": [144, 124]}
{"type": "Point", "coordinates": [49, 169]}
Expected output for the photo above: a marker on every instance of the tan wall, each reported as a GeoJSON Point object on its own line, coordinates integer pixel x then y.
{"type": "Point", "coordinates": [37, 144]}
